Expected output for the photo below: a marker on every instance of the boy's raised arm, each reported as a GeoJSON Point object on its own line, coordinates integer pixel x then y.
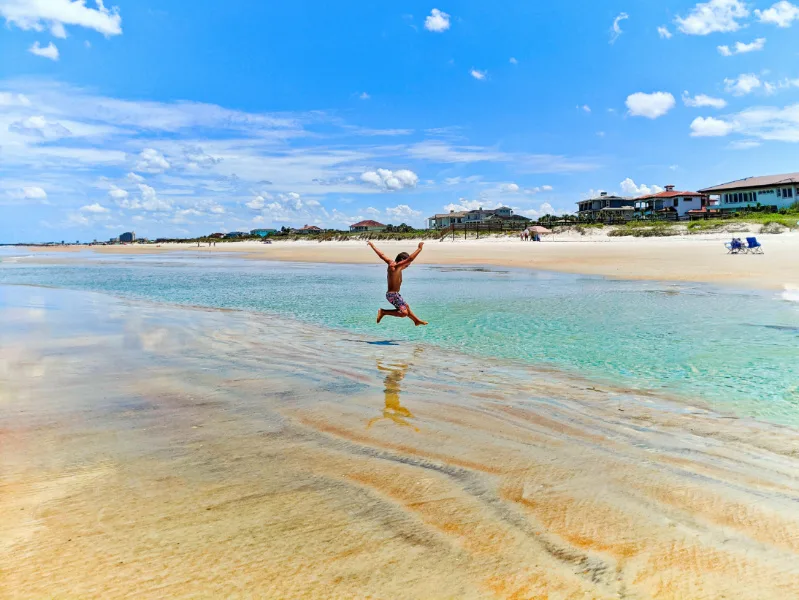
{"type": "Point", "coordinates": [385, 259]}
{"type": "Point", "coordinates": [412, 257]}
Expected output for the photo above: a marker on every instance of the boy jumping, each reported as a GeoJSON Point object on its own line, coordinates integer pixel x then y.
{"type": "Point", "coordinates": [395, 269]}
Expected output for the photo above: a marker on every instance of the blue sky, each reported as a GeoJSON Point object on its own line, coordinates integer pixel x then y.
{"type": "Point", "coordinates": [176, 119]}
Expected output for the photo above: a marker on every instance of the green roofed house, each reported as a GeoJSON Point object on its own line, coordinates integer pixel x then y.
{"type": "Point", "coordinates": [777, 191]}
{"type": "Point", "coordinates": [263, 232]}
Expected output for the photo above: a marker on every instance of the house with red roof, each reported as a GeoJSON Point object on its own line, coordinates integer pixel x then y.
{"type": "Point", "coordinates": [307, 229]}
{"type": "Point", "coordinates": [670, 201]}
{"type": "Point", "coordinates": [366, 226]}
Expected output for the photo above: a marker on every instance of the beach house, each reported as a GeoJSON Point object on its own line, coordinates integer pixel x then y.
{"type": "Point", "coordinates": [307, 229]}
{"type": "Point", "coordinates": [466, 217]}
{"type": "Point", "coordinates": [670, 201]}
{"type": "Point", "coordinates": [606, 208]}
{"type": "Point", "coordinates": [366, 226]}
{"type": "Point", "coordinates": [775, 191]}
{"type": "Point", "coordinates": [263, 232]}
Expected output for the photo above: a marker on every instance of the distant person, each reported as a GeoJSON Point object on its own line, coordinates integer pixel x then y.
{"type": "Point", "coordinates": [395, 269]}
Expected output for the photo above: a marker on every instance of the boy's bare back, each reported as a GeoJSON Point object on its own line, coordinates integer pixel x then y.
{"type": "Point", "coordinates": [394, 279]}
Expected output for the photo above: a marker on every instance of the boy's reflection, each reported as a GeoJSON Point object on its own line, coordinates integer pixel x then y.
{"type": "Point", "coordinates": [393, 410]}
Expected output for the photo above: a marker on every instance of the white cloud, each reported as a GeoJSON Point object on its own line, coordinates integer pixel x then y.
{"type": "Point", "coordinates": [713, 16]}
{"type": "Point", "coordinates": [464, 204]}
{"type": "Point", "coordinates": [510, 188]}
{"type": "Point", "coordinates": [38, 126]}
{"type": "Point", "coordinates": [403, 212]}
{"type": "Point", "coordinates": [152, 161]}
{"type": "Point", "coordinates": [257, 203]}
{"type": "Point", "coordinates": [710, 127]}
{"type": "Point", "coordinates": [150, 200]}
{"type": "Point", "coordinates": [117, 193]}
{"type": "Point", "coordinates": [743, 144]}
{"type": "Point", "coordinates": [135, 177]}
{"type": "Point", "coordinates": [391, 180]}
{"type": "Point", "coordinates": [11, 99]}
{"type": "Point", "coordinates": [95, 208]}
{"type": "Point", "coordinates": [702, 100]}
{"type": "Point", "coordinates": [615, 30]}
{"type": "Point", "coordinates": [781, 14]}
{"type": "Point", "coordinates": [741, 48]}
{"type": "Point", "coordinates": [34, 193]}
{"type": "Point", "coordinates": [650, 106]}
{"type": "Point", "coordinates": [35, 15]}
{"type": "Point", "coordinates": [50, 51]}
{"type": "Point", "coordinates": [629, 187]}
{"type": "Point", "coordinates": [664, 33]}
{"type": "Point", "coordinates": [479, 75]}
{"type": "Point", "coordinates": [585, 108]}
{"type": "Point", "coordinates": [437, 21]}
{"type": "Point", "coordinates": [743, 84]}
{"type": "Point", "coordinates": [513, 61]}
{"type": "Point", "coordinates": [364, 96]}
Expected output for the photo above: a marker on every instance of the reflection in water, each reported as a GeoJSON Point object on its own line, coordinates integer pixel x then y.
{"type": "Point", "coordinates": [393, 410]}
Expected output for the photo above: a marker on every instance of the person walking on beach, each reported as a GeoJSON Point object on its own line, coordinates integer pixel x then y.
{"type": "Point", "coordinates": [395, 269]}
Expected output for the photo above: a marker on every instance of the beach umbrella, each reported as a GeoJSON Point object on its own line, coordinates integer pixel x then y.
{"type": "Point", "coordinates": [539, 229]}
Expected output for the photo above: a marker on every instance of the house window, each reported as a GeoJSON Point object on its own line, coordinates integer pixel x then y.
{"type": "Point", "coordinates": [676, 202]}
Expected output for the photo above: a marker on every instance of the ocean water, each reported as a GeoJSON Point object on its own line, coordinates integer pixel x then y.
{"type": "Point", "coordinates": [735, 350]}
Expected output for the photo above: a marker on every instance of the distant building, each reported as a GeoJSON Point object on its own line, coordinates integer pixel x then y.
{"type": "Point", "coordinates": [308, 229]}
{"type": "Point", "coordinates": [128, 237]}
{"type": "Point", "coordinates": [365, 226]}
{"type": "Point", "coordinates": [113, 240]}
{"type": "Point", "coordinates": [217, 236]}
{"type": "Point", "coordinates": [606, 207]}
{"type": "Point", "coordinates": [777, 191]}
{"type": "Point", "coordinates": [263, 232]}
{"type": "Point", "coordinates": [670, 201]}
{"type": "Point", "coordinates": [236, 234]}
{"type": "Point", "coordinates": [445, 220]}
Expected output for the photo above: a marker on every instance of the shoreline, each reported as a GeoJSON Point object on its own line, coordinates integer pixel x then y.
{"type": "Point", "coordinates": [699, 258]}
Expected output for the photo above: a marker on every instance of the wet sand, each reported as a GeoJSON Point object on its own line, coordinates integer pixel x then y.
{"type": "Point", "coordinates": [696, 258]}
{"type": "Point", "coordinates": [160, 452]}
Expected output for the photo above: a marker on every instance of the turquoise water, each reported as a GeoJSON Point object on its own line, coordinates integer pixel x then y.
{"type": "Point", "coordinates": [734, 349]}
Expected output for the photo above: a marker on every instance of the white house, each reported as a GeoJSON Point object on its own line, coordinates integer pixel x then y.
{"type": "Point", "coordinates": [778, 191]}
{"type": "Point", "coordinates": [671, 201]}
{"type": "Point", "coordinates": [468, 216]}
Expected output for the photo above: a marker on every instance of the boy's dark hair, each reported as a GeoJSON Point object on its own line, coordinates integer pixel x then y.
{"type": "Point", "coordinates": [402, 256]}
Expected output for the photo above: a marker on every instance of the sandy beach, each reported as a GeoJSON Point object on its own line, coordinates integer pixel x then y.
{"type": "Point", "coordinates": [698, 258]}
{"type": "Point", "coordinates": [153, 452]}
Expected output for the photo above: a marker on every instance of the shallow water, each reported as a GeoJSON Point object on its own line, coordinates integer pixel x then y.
{"type": "Point", "coordinates": [736, 350]}
{"type": "Point", "coordinates": [157, 451]}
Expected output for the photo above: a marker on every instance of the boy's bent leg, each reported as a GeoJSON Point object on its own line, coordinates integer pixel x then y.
{"type": "Point", "coordinates": [389, 313]}
{"type": "Point", "coordinates": [416, 320]}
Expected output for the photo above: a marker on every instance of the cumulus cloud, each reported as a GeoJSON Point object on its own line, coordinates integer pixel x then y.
{"type": "Point", "coordinates": [34, 193]}
{"type": "Point", "coordinates": [96, 209]}
{"type": "Point", "coordinates": [151, 161]}
{"type": "Point", "coordinates": [364, 96]}
{"type": "Point", "coordinates": [629, 187]}
{"type": "Point", "coordinates": [49, 51]}
{"type": "Point", "coordinates": [743, 84]}
{"type": "Point", "coordinates": [781, 14]}
{"type": "Point", "coordinates": [464, 204]}
{"type": "Point", "coordinates": [437, 21]}
{"type": "Point", "coordinates": [701, 100]}
{"type": "Point", "coordinates": [195, 158]}
{"type": "Point", "coordinates": [36, 15]}
{"type": "Point", "coordinates": [403, 212]}
{"type": "Point", "coordinates": [664, 33]}
{"type": "Point", "coordinates": [513, 61]}
{"type": "Point", "coordinates": [391, 180]}
{"type": "Point", "coordinates": [710, 127]}
{"type": "Point", "coordinates": [650, 106]}
{"type": "Point", "coordinates": [713, 16]}
{"type": "Point", "coordinates": [741, 48]}
{"type": "Point", "coordinates": [150, 200]}
{"type": "Point", "coordinates": [479, 75]}
{"type": "Point", "coordinates": [511, 188]}
{"type": "Point", "coordinates": [38, 126]}
{"type": "Point", "coordinates": [585, 108]}
{"type": "Point", "coordinates": [117, 193]}
{"type": "Point", "coordinates": [615, 30]}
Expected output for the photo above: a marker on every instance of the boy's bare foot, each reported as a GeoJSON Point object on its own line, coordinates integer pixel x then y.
{"type": "Point", "coordinates": [421, 323]}
{"type": "Point", "coordinates": [379, 315]}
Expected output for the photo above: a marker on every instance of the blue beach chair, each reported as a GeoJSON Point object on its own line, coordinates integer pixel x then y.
{"type": "Point", "coordinates": [753, 246]}
{"type": "Point", "coordinates": [735, 246]}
